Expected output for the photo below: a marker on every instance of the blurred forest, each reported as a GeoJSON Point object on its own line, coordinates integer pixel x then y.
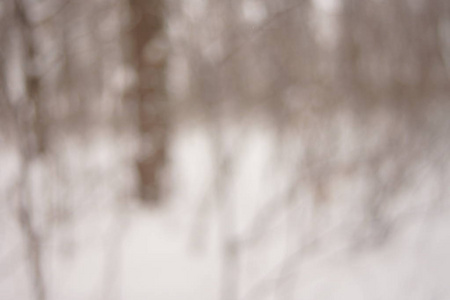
{"type": "Point", "coordinates": [284, 131]}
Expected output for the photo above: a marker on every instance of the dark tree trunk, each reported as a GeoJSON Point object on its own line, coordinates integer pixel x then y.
{"type": "Point", "coordinates": [148, 56]}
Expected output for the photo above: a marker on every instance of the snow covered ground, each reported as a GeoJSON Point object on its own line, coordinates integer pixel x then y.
{"type": "Point", "coordinates": [108, 248]}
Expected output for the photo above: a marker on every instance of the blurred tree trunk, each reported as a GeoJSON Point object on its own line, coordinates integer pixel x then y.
{"type": "Point", "coordinates": [31, 129]}
{"type": "Point", "coordinates": [32, 107]}
{"type": "Point", "coordinates": [148, 58]}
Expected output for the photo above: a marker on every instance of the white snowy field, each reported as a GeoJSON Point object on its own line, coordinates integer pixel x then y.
{"type": "Point", "coordinates": [101, 245]}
